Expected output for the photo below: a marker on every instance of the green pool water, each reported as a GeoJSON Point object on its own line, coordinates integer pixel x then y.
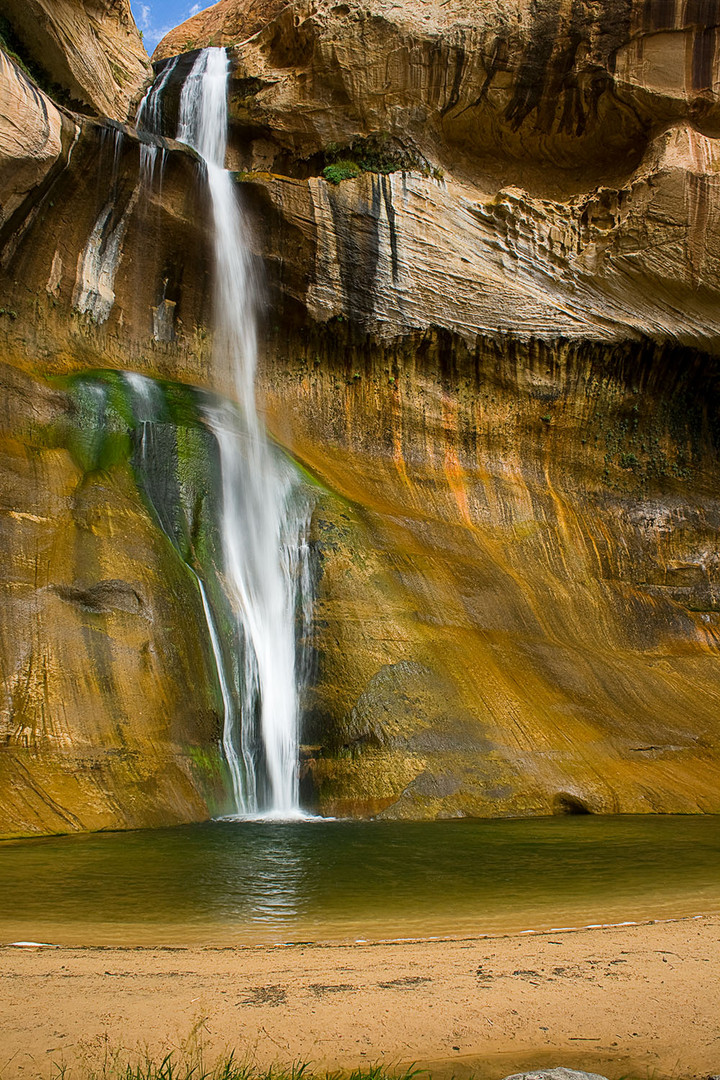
{"type": "Point", "coordinates": [227, 883]}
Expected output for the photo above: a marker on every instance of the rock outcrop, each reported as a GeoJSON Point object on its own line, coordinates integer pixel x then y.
{"type": "Point", "coordinates": [496, 337]}
{"type": "Point", "coordinates": [96, 243]}
{"type": "Point", "coordinates": [110, 711]}
{"type": "Point", "coordinates": [31, 138]}
{"type": "Point", "coordinates": [223, 24]}
{"type": "Point", "coordinates": [87, 52]}
{"type": "Point", "coordinates": [489, 236]}
{"type": "Point", "coordinates": [517, 605]}
{"type": "Point", "coordinates": [570, 165]}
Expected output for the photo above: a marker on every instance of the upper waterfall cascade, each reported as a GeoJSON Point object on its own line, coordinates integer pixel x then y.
{"type": "Point", "coordinates": [264, 514]}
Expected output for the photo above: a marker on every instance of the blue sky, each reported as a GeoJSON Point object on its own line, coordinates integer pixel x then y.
{"type": "Point", "coordinates": [156, 17]}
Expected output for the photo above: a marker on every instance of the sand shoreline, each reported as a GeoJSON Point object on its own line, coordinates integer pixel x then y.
{"type": "Point", "coordinates": [340, 943]}
{"type": "Point", "coordinates": [619, 999]}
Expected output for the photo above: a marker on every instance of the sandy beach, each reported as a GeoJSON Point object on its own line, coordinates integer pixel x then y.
{"type": "Point", "coordinates": [641, 1000]}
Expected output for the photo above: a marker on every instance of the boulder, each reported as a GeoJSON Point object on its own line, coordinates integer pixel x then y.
{"type": "Point", "coordinates": [559, 1073]}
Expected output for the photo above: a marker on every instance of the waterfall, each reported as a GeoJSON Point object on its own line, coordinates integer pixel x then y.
{"type": "Point", "coordinates": [264, 517]}
{"type": "Point", "coordinates": [149, 112]}
{"type": "Point", "coordinates": [148, 121]}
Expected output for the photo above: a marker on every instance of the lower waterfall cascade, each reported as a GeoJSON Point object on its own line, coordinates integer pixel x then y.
{"type": "Point", "coordinates": [264, 515]}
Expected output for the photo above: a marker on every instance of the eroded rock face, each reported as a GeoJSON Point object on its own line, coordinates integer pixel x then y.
{"type": "Point", "coordinates": [497, 342]}
{"type": "Point", "coordinates": [546, 95]}
{"type": "Point", "coordinates": [30, 138]}
{"type": "Point", "coordinates": [518, 603]}
{"type": "Point", "coordinates": [533, 170]}
{"type": "Point", "coordinates": [222, 24]}
{"type": "Point", "coordinates": [104, 245]}
{"type": "Point", "coordinates": [88, 51]}
{"type": "Point", "coordinates": [495, 346]}
{"type": "Point", "coordinates": [110, 712]}
{"type": "Point", "coordinates": [399, 252]}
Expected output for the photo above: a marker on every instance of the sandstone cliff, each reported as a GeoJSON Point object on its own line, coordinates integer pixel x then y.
{"type": "Point", "coordinates": [489, 237]}
{"type": "Point", "coordinates": [31, 138]}
{"type": "Point", "coordinates": [478, 346]}
{"type": "Point", "coordinates": [223, 24]}
{"type": "Point", "coordinates": [87, 52]}
{"type": "Point", "coordinates": [110, 714]}
{"type": "Point", "coordinates": [110, 711]}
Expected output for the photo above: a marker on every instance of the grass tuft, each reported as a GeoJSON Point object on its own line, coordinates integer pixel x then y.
{"type": "Point", "coordinates": [192, 1067]}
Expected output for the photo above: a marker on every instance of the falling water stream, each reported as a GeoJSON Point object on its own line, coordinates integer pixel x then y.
{"type": "Point", "coordinates": [264, 517]}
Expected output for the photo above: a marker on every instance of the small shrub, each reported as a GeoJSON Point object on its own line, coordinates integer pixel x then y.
{"type": "Point", "coordinates": [341, 170]}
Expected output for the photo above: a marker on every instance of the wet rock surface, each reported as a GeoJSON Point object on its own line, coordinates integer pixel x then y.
{"type": "Point", "coordinates": [109, 709]}
{"type": "Point", "coordinates": [489, 239]}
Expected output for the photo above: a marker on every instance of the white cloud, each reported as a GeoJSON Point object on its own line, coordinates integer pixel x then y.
{"type": "Point", "coordinates": [144, 17]}
{"type": "Point", "coordinates": [157, 33]}
{"type": "Point", "coordinates": [195, 8]}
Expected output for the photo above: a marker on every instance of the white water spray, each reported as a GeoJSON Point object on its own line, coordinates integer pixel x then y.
{"type": "Point", "coordinates": [148, 120]}
{"type": "Point", "coordinates": [263, 520]}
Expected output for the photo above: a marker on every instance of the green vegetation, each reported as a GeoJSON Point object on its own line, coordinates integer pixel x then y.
{"type": "Point", "coordinates": [212, 777]}
{"type": "Point", "coordinates": [377, 154]}
{"type": "Point", "coordinates": [341, 170]}
{"type": "Point", "coordinates": [97, 429]}
{"type": "Point", "coordinates": [191, 1067]}
{"type": "Point", "coordinates": [644, 442]}
{"type": "Point", "coordinates": [10, 45]}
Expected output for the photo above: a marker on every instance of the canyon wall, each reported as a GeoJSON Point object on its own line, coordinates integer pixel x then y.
{"type": "Point", "coordinates": [87, 53]}
{"type": "Point", "coordinates": [488, 235]}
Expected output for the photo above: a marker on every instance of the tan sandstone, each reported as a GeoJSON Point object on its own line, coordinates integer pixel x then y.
{"type": "Point", "coordinates": [90, 49]}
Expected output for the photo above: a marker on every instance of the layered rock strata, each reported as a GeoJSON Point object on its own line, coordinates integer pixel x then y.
{"type": "Point", "coordinates": [87, 52]}
{"type": "Point", "coordinates": [221, 25]}
{"type": "Point", "coordinates": [488, 236]}
{"type": "Point", "coordinates": [104, 250]}
{"type": "Point", "coordinates": [497, 342]}
{"type": "Point", "coordinates": [110, 712]}
{"type": "Point", "coordinates": [518, 603]}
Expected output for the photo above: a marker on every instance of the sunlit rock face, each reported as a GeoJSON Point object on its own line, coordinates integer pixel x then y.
{"type": "Point", "coordinates": [569, 157]}
{"type": "Point", "coordinates": [87, 52]}
{"type": "Point", "coordinates": [494, 346]}
{"type": "Point", "coordinates": [103, 262]}
{"type": "Point", "coordinates": [518, 595]}
{"type": "Point", "coordinates": [30, 138]}
{"type": "Point", "coordinates": [110, 713]}
{"type": "Point", "coordinates": [110, 710]}
{"type": "Point", "coordinates": [222, 24]}
{"type": "Point", "coordinates": [498, 344]}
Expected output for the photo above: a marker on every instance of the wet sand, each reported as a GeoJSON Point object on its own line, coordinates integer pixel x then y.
{"type": "Point", "coordinates": [639, 999]}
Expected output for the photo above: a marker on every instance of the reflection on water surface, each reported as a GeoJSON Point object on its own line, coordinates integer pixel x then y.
{"type": "Point", "coordinates": [245, 882]}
